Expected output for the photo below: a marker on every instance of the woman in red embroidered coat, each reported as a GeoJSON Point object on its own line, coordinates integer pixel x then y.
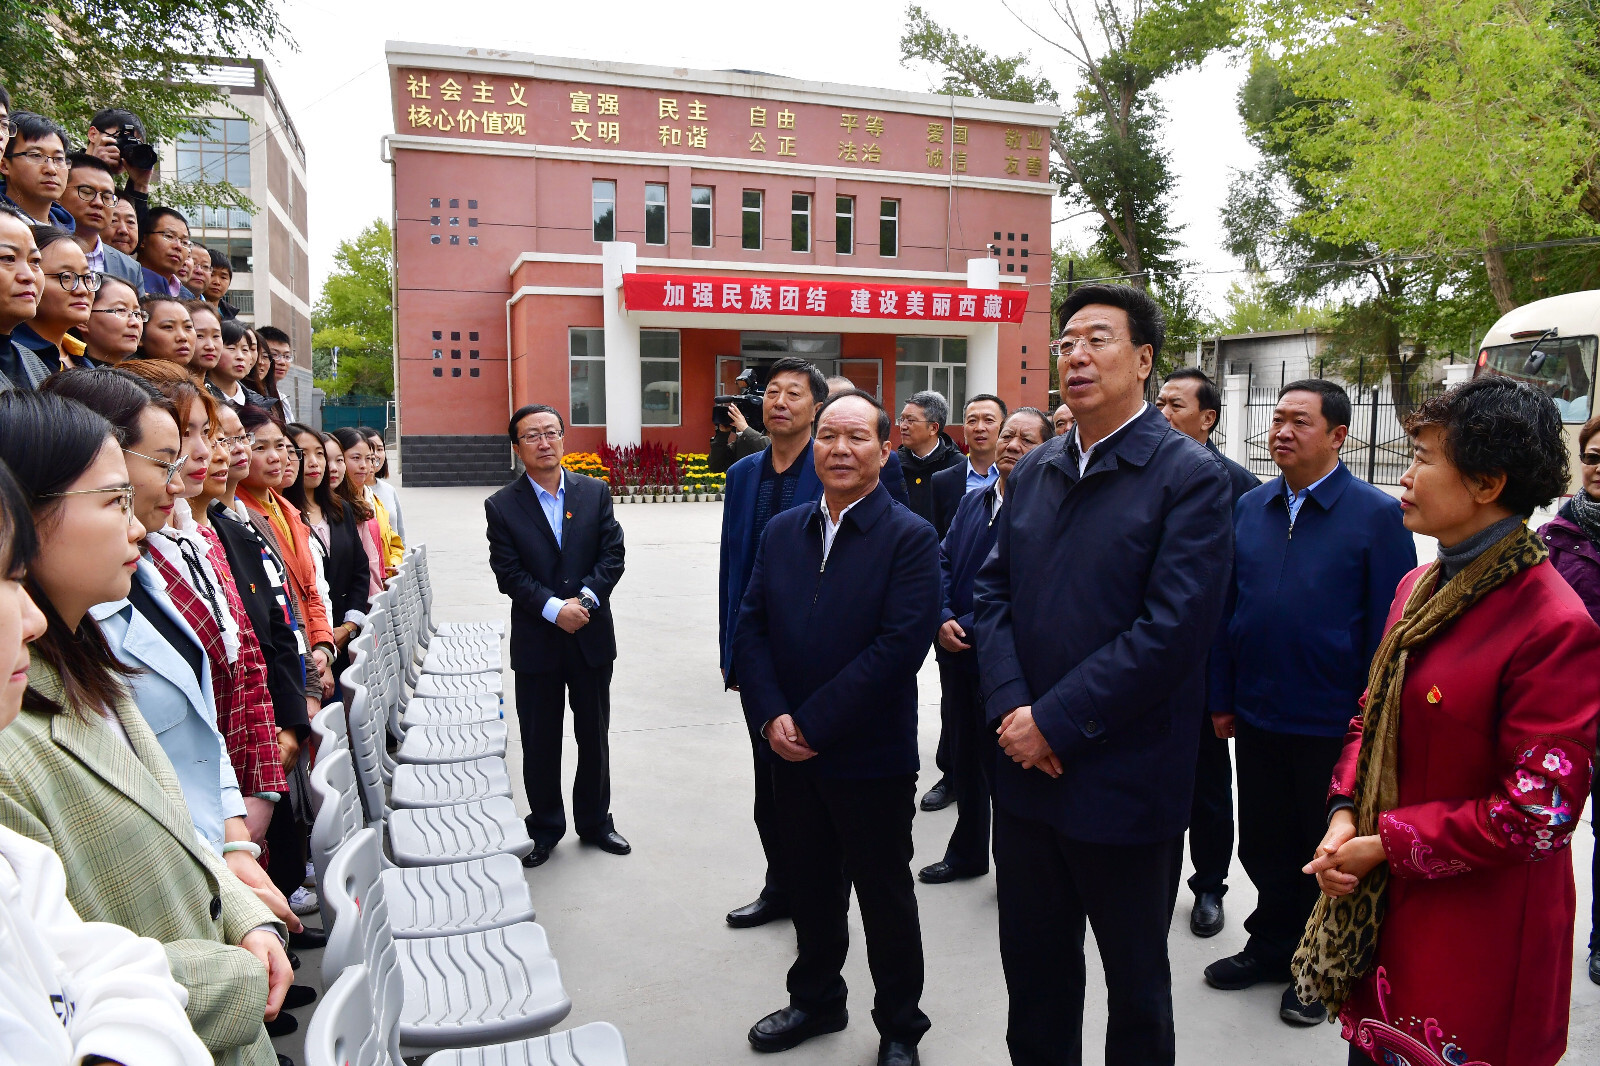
{"type": "Point", "coordinates": [1492, 755]}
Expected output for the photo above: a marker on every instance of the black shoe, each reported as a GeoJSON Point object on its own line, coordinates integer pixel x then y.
{"type": "Point", "coordinates": [1240, 971]}
{"type": "Point", "coordinates": [939, 796]}
{"type": "Point", "coordinates": [1594, 967]}
{"type": "Point", "coordinates": [284, 1060]}
{"type": "Point", "coordinates": [537, 856]}
{"type": "Point", "coordinates": [941, 872]}
{"type": "Point", "coordinates": [791, 1027]}
{"type": "Point", "coordinates": [897, 1053]}
{"type": "Point", "coordinates": [308, 939]}
{"type": "Point", "coordinates": [284, 1024]}
{"type": "Point", "coordinates": [1206, 918]}
{"type": "Point", "coordinates": [1296, 1013]}
{"type": "Point", "coordinates": [611, 841]}
{"type": "Point", "coordinates": [299, 996]}
{"type": "Point", "coordinates": [294, 960]}
{"type": "Point", "coordinates": [760, 912]}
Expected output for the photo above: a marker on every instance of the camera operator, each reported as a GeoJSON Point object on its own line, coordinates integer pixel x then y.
{"type": "Point", "coordinates": [734, 441]}
{"type": "Point", "coordinates": [117, 136]}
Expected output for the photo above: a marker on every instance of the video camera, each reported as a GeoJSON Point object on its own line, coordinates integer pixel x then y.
{"type": "Point", "coordinates": [748, 400]}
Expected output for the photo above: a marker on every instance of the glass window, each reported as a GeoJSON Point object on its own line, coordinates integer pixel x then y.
{"type": "Point", "coordinates": [844, 224]}
{"type": "Point", "coordinates": [587, 348]}
{"type": "Point", "coordinates": [889, 228]}
{"type": "Point", "coordinates": [800, 222]}
{"type": "Point", "coordinates": [660, 377]}
{"type": "Point", "coordinates": [752, 219]}
{"type": "Point", "coordinates": [655, 214]}
{"type": "Point", "coordinates": [937, 363]}
{"type": "Point", "coordinates": [218, 151]}
{"type": "Point", "coordinates": [1563, 368]}
{"type": "Point", "coordinates": [700, 216]}
{"type": "Point", "coordinates": [604, 196]}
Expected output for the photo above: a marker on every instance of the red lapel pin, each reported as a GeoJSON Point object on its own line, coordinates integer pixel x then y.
{"type": "Point", "coordinates": [1434, 695]}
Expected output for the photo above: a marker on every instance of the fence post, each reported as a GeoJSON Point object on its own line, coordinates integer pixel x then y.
{"type": "Point", "coordinates": [1372, 438]}
{"type": "Point", "coordinates": [1237, 395]}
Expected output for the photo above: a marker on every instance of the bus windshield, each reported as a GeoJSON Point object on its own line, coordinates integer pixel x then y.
{"type": "Point", "coordinates": [1562, 366]}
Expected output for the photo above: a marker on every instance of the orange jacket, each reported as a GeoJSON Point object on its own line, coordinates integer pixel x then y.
{"type": "Point", "coordinates": [302, 569]}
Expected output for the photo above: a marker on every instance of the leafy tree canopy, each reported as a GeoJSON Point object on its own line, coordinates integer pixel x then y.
{"type": "Point", "coordinates": [353, 315]}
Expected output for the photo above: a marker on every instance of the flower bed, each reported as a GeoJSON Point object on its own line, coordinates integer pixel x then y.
{"type": "Point", "coordinates": [653, 473]}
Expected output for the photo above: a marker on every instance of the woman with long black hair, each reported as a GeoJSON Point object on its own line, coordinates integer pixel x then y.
{"type": "Point", "coordinates": [335, 537]}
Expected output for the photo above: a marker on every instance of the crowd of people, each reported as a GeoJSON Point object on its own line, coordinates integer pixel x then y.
{"type": "Point", "coordinates": [185, 566]}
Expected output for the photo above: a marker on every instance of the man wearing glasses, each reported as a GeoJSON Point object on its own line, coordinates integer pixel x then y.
{"type": "Point", "coordinates": [91, 193]}
{"type": "Point", "coordinates": [35, 170]}
{"type": "Point", "coordinates": [21, 283]}
{"type": "Point", "coordinates": [163, 247]}
{"type": "Point", "coordinates": [556, 550]}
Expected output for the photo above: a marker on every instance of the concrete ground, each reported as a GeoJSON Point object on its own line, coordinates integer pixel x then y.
{"type": "Point", "coordinates": [641, 939]}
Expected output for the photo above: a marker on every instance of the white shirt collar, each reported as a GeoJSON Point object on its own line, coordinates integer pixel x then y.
{"type": "Point", "coordinates": [1085, 456]}
{"type": "Point", "coordinates": [830, 528]}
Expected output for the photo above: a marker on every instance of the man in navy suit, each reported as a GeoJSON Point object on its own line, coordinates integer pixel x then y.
{"type": "Point", "coordinates": [556, 550]}
{"type": "Point", "coordinates": [1094, 615]}
{"type": "Point", "coordinates": [842, 604]}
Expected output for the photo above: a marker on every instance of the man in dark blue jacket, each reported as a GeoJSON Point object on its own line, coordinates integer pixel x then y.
{"type": "Point", "coordinates": [962, 719]}
{"type": "Point", "coordinates": [782, 476]}
{"type": "Point", "coordinates": [1193, 404]}
{"type": "Point", "coordinates": [1094, 616]}
{"type": "Point", "coordinates": [1319, 556]}
{"type": "Point", "coordinates": [840, 609]}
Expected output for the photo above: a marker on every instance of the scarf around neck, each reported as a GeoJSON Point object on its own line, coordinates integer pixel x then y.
{"type": "Point", "coordinates": [1586, 515]}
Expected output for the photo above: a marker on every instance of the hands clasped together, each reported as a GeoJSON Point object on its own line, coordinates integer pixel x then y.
{"type": "Point", "coordinates": [1343, 859]}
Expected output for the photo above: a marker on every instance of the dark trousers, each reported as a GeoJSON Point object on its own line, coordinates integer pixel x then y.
{"type": "Point", "coordinates": [838, 832]}
{"type": "Point", "coordinates": [1048, 886]}
{"type": "Point", "coordinates": [1594, 883]}
{"type": "Point", "coordinates": [1283, 816]}
{"type": "Point", "coordinates": [773, 888]}
{"type": "Point", "coordinates": [286, 848]}
{"type": "Point", "coordinates": [1211, 814]}
{"type": "Point", "coordinates": [973, 749]}
{"type": "Point", "coordinates": [541, 712]}
{"type": "Point", "coordinates": [1361, 1058]}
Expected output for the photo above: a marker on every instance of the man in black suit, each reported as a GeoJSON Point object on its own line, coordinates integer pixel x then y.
{"type": "Point", "coordinates": [556, 550]}
{"type": "Point", "coordinates": [1094, 616]}
{"type": "Point", "coordinates": [842, 604]}
{"type": "Point", "coordinates": [1193, 404]}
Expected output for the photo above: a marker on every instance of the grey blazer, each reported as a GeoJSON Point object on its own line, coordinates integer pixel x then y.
{"type": "Point", "coordinates": [120, 265]}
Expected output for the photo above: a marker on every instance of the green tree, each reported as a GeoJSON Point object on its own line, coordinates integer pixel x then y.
{"type": "Point", "coordinates": [69, 58]}
{"type": "Point", "coordinates": [1106, 154]}
{"type": "Point", "coordinates": [1255, 307]}
{"type": "Point", "coordinates": [353, 317]}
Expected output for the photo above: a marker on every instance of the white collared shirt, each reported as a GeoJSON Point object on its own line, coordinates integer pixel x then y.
{"type": "Point", "coordinates": [1085, 456]}
{"type": "Point", "coordinates": [97, 258]}
{"type": "Point", "coordinates": [830, 528]}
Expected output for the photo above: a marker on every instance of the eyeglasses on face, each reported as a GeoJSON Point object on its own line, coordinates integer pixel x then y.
{"type": "Point", "coordinates": [1590, 458]}
{"type": "Point", "coordinates": [8, 128]}
{"type": "Point", "coordinates": [136, 314]}
{"type": "Point", "coordinates": [70, 280]}
{"type": "Point", "coordinates": [243, 439]}
{"type": "Point", "coordinates": [1097, 343]}
{"type": "Point", "coordinates": [125, 491]}
{"type": "Point", "coordinates": [38, 158]}
{"type": "Point", "coordinates": [904, 421]}
{"type": "Point", "coordinates": [89, 194]}
{"type": "Point", "coordinates": [551, 435]}
{"type": "Point", "coordinates": [171, 468]}
{"type": "Point", "coordinates": [180, 239]}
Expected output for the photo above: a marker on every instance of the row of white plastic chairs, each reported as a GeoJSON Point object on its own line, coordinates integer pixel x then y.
{"type": "Point", "coordinates": [432, 945]}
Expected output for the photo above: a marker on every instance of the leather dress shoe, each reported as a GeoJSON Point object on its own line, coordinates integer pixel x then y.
{"type": "Point", "coordinates": [760, 912]}
{"type": "Point", "coordinates": [1594, 967]}
{"type": "Point", "coordinates": [1296, 1013]}
{"type": "Point", "coordinates": [294, 960]}
{"type": "Point", "coordinates": [537, 856]}
{"type": "Point", "coordinates": [283, 1025]}
{"type": "Point", "coordinates": [1206, 918]}
{"type": "Point", "coordinates": [299, 996]}
{"type": "Point", "coordinates": [284, 1060]}
{"type": "Point", "coordinates": [611, 841]}
{"type": "Point", "coordinates": [1241, 971]}
{"type": "Point", "coordinates": [939, 796]}
{"type": "Point", "coordinates": [308, 939]}
{"type": "Point", "coordinates": [897, 1053]}
{"type": "Point", "coordinates": [942, 872]}
{"type": "Point", "coordinates": [791, 1027]}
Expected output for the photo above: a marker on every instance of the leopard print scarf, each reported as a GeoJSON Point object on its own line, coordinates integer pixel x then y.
{"type": "Point", "coordinates": [1341, 936]}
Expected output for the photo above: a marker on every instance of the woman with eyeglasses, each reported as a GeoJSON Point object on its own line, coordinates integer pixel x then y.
{"type": "Point", "coordinates": [116, 324]}
{"type": "Point", "coordinates": [81, 770]}
{"type": "Point", "coordinates": [163, 246]}
{"type": "Point", "coordinates": [342, 488]}
{"type": "Point", "coordinates": [64, 302]}
{"type": "Point", "coordinates": [335, 533]}
{"type": "Point", "coordinates": [207, 326]}
{"type": "Point", "coordinates": [360, 465]}
{"type": "Point", "coordinates": [168, 331]}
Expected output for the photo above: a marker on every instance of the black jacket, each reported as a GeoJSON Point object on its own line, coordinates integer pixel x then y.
{"type": "Point", "coordinates": [345, 566]}
{"type": "Point", "coordinates": [1098, 607]}
{"type": "Point", "coordinates": [268, 608]}
{"type": "Point", "coordinates": [530, 568]}
{"type": "Point", "coordinates": [949, 487]}
{"type": "Point", "coordinates": [919, 472]}
{"type": "Point", "coordinates": [838, 644]}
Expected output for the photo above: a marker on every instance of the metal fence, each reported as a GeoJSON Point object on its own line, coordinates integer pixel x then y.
{"type": "Point", "coordinates": [355, 412]}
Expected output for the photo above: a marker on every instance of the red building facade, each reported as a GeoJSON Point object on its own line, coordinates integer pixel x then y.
{"type": "Point", "coordinates": [620, 242]}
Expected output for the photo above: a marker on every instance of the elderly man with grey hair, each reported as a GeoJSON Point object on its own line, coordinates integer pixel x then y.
{"type": "Point", "coordinates": [925, 448]}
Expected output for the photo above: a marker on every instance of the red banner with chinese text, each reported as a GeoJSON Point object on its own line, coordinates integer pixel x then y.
{"type": "Point", "coordinates": [696, 294]}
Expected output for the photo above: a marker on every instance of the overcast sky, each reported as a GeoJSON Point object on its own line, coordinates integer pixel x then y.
{"type": "Point", "coordinates": [337, 92]}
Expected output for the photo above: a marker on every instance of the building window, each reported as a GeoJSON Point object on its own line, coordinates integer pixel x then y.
{"type": "Point", "coordinates": [219, 151]}
{"type": "Point", "coordinates": [844, 224]}
{"type": "Point", "coordinates": [937, 363]}
{"type": "Point", "coordinates": [660, 377]}
{"type": "Point", "coordinates": [800, 222]}
{"type": "Point", "coordinates": [605, 210]}
{"type": "Point", "coordinates": [700, 216]}
{"type": "Point", "coordinates": [655, 214]}
{"type": "Point", "coordinates": [889, 228]}
{"type": "Point", "coordinates": [587, 348]}
{"type": "Point", "coordinates": [752, 219]}
{"type": "Point", "coordinates": [239, 250]}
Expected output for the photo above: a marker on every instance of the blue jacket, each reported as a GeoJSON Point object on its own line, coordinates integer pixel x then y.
{"type": "Point", "coordinates": [1306, 613]}
{"type": "Point", "coordinates": [155, 284]}
{"type": "Point", "coordinates": [837, 644]}
{"type": "Point", "coordinates": [1240, 479]}
{"type": "Point", "coordinates": [739, 539]}
{"type": "Point", "coordinates": [1098, 607]}
{"type": "Point", "coordinates": [967, 544]}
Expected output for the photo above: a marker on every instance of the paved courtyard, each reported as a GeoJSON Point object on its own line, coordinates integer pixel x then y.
{"type": "Point", "coordinates": [641, 939]}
